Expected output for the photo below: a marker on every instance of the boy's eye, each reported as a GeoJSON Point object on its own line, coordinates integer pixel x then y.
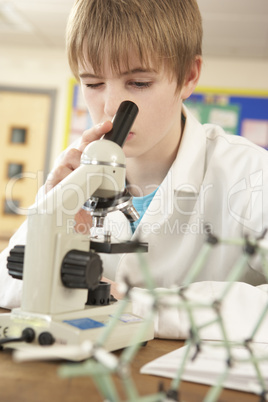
{"type": "Point", "coordinates": [94, 86]}
{"type": "Point", "coordinates": [141, 84]}
{"type": "Point", "coordinates": [135, 84]}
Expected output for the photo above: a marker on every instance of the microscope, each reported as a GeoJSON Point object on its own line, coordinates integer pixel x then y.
{"type": "Point", "coordinates": [64, 301]}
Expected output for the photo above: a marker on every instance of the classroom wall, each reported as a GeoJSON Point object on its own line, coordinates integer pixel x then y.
{"type": "Point", "coordinates": [39, 68]}
{"type": "Point", "coordinates": [48, 68]}
{"type": "Point", "coordinates": [235, 73]}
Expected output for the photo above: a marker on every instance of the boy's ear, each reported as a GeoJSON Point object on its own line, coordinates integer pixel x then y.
{"type": "Point", "coordinates": [192, 79]}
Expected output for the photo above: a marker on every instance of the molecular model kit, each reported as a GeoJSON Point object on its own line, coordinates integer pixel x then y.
{"type": "Point", "coordinates": [102, 366]}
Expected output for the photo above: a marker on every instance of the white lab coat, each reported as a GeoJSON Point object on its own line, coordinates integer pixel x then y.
{"type": "Point", "coordinates": [218, 180]}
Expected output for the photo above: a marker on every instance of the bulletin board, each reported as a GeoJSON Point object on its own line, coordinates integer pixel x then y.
{"type": "Point", "coordinates": [239, 112]}
{"type": "Point", "coordinates": [77, 116]}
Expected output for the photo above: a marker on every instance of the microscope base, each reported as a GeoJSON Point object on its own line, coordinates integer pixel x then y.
{"type": "Point", "coordinates": [73, 328]}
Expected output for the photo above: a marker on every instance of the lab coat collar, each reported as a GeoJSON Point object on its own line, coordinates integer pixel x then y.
{"type": "Point", "coordinates": [187, 171]}
{"type": "Point", "coordinates": [184, 179]}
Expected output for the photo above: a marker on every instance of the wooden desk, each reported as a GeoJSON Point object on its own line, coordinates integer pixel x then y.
{"type": "Point", "coordinates": [39, 382]}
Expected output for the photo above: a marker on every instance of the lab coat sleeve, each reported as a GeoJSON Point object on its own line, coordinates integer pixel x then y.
{"type": "Point", "coordinates": [10, 288]}
{"type": "Point", "coordinates": [240, 310]}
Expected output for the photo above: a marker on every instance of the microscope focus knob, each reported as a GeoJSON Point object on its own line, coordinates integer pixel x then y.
{"type": "Point", "coordinates": [81, 270]}
{"type": "Point", "coordinates": [15, 262]}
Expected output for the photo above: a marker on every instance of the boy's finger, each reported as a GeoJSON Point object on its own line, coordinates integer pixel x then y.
{"type": "Point", "coordinates": [94, 133]}
{"type": "Point", "coordinates": [72, 159]}
{"type": "Point", "coordinates": [56, 177]}
{"type": "Point", "coordinates": [69, 163]}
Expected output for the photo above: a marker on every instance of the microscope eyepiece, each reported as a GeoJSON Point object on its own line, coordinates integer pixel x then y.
{"type": "Point", "coordinates": [122, 122]}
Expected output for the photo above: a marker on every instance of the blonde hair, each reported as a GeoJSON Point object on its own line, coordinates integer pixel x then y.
{"type": "Point", "coordinates": [161, 33]}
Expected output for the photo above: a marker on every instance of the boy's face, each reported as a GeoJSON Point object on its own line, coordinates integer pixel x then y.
{"type": "Point", "coordinates": [157, 128]}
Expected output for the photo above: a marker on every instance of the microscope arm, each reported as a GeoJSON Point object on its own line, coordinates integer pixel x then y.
{"type": "Point", "coordinates": [50, 228]}
{"type": "Point", "coordinates": [51, 232]}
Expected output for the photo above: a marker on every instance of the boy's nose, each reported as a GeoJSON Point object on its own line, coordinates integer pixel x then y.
{"type": "Point", "coordinates": [112, 103]}
{"type": "Point", "coordinates": [110, 109]}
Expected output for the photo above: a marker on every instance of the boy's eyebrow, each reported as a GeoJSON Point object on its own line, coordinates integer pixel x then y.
{"type": "Point", "coordinates": [128, 72]}
{"type": "Point", "coordinates": [139, 70]}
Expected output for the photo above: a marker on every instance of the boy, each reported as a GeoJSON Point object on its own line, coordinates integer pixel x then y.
{"type": "Point", "coordinates": [186, 175]}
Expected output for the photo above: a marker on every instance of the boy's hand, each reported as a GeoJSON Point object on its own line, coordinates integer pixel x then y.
{"type": "Point", "coordinates": [72, 158]}
{"type": "Point", "coordinates": [70, 162]}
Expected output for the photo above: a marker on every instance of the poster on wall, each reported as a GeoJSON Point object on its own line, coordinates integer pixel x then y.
{"type": "Point", "coordinates": [241, 112]}
{"type": "Point", "coordinates": [238, 112]}
{"type": "Point", "coordinates": [78, 119]}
